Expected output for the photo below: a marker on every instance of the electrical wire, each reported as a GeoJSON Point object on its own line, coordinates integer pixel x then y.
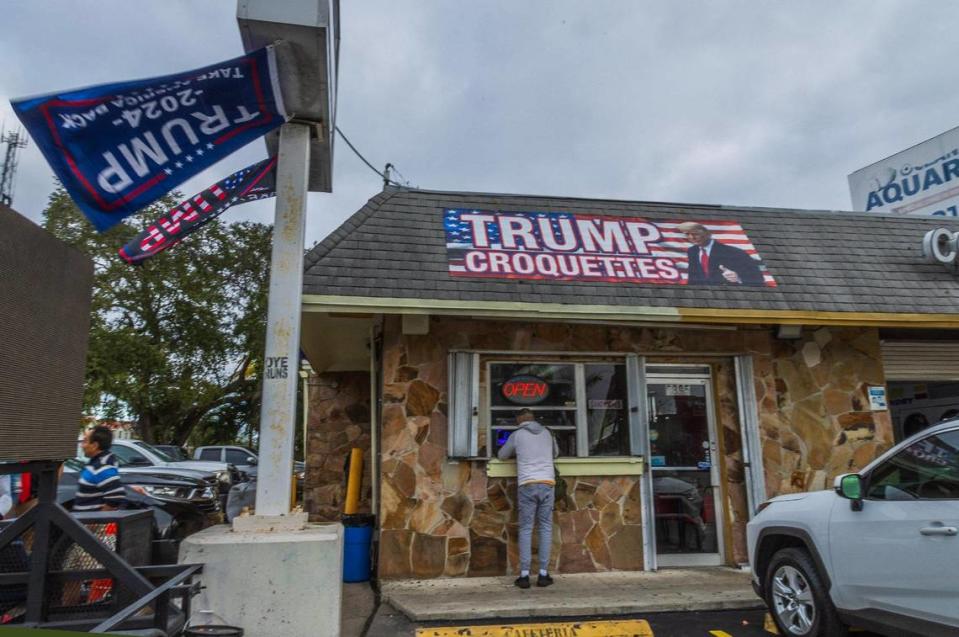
{"type": "Point", "coordinates": [365, 161]}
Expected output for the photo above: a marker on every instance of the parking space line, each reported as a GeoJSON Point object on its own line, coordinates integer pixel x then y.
{"type": "Point", "coordinates": [626, 628]}
{"type": "Point", "coordinates": [719, 633]}
{"type": "Point", "coordinates": [769, 625]}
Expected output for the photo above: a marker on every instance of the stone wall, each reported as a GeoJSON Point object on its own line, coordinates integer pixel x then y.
{"type": "Point", "coordinates": [474, 532]}
{"type": "Point", "coordinates": [814, 407]}
{"type": "Point", "coordinates": [339, 419]}
{"type": "Point", "coordinates": [442, 518]}
{"type": "Point", "coordinates": [446, 518]}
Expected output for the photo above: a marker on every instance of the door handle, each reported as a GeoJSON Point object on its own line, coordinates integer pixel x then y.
{"type": "Point", "coordinates": [939, 530]}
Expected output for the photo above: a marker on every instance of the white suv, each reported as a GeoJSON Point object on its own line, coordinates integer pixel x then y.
{"type": "Point", "coordinates": [880, 551]}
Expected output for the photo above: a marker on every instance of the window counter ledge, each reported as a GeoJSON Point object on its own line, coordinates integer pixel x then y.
{"type": "Point", "coordinates": [568, 467]}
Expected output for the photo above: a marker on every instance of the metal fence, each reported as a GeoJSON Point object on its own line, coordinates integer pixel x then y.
{"type": "Point", "coordinates": [87, 571]}
{"type": "Point", "coordinates": [77, 585]}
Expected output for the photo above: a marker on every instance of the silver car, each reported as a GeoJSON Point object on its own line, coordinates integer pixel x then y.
{"type": "Point", "coordinates": [879, 551]}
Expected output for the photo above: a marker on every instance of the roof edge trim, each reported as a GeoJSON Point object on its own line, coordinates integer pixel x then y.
{"type": "Point", "coordinates": [807, 317]}
{"type": "Point", "coordinates": [501, 309]}
{"type": "Point", "coordinates": [381, 305]}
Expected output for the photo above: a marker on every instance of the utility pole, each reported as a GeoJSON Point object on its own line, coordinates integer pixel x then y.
{"type": "Point", "coordinates": [14, 140]}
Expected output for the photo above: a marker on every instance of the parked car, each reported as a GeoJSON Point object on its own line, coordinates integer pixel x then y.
{"type": "Point", "coordinates": [879, 551]}
{"type": "Point", "coordinates": [136, 453]}
{"type": "Point", "coordinates": [182, 503]}
{"type": "Point", "coordinates": [174, 451]}
{"type": "Point", "coordinates": [243, 496]}
{"type": "Point", "coordinates": [243, 458]}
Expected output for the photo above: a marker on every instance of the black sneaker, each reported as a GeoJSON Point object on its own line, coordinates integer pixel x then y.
{"type": "Point", "coordinates": [522, 582]}
{"type": "Point", "coordinates": [544, 580]}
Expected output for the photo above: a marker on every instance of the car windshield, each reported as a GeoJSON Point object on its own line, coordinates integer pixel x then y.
{"type": "Point", "coordinates": [74, 464]}
{"type": "Point", "coordinates": [159, 454]}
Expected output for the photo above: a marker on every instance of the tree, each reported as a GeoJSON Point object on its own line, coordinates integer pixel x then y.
{"type": "Point", "coordinates": [175, 343]}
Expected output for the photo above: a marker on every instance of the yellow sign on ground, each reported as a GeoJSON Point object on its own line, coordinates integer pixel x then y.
{"type": "Point", "coordinates": [631, 628]}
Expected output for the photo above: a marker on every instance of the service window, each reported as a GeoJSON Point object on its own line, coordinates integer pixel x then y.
{"type": "Point", "coordinates": [584, 405]}
{"type": "Point", "coordinates": [606, 413]}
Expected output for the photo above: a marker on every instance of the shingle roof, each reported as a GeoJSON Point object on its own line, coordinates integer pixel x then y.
{"type": "Point", "coordinates": [395, 247]}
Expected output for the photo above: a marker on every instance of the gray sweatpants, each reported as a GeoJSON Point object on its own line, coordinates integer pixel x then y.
{"type": "Point", "coordinates": [535, 503]}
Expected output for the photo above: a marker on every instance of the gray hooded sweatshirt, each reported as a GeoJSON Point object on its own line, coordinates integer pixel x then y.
{"type": "Point", "coordinates": [534, 448]}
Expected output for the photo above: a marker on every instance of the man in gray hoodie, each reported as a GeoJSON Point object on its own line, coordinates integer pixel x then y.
{"type": "Point", "coordinates": [534, 448]}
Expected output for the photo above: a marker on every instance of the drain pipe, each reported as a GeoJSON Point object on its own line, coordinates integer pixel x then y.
{"type": "Point", "coordinates": [305, 369]}
{"type": "Point", "coordinates": [374, 419]}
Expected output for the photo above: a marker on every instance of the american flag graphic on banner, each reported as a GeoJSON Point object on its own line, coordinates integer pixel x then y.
{"type": "Point", "coordinates": [575, 247]}
{"type": "Point", "coordinates": [250, 184]}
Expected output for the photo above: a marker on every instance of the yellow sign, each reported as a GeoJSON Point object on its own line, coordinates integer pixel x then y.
{"type": "Point", "coordinates": [631, 628]}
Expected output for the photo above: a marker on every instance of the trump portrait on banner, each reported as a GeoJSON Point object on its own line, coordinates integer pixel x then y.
{"type": "Point", "coordinates": [715, 263]}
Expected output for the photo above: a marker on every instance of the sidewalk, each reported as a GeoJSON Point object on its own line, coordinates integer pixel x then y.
{"type": "Point", "coordinates": [581, 594]}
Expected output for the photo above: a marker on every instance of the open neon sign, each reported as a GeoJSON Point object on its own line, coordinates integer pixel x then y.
{"type": "Point", "coordinates": [525, 390]}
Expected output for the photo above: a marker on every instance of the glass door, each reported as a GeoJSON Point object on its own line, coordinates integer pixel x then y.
{"type": "Point", "coordinates": [683, 460]}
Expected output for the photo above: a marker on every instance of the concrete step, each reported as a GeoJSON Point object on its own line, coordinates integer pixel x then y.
{"type": "Point", "coordinates": [575, 595]}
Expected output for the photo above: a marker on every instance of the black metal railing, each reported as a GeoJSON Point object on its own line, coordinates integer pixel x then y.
{"type": "Point", "coordinates": [86, 571]}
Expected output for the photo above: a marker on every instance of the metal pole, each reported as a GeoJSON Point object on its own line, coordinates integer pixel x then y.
{"type": "Point", "coordinates": [282, 360]}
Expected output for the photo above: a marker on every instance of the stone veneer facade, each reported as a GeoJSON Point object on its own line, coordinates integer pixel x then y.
{"type": "Point", "coordinates": [338, 421]}
{"type": "Point", "coordinates": [447, 518]}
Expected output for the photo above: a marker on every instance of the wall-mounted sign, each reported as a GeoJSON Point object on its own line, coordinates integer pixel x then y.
{"type": "Point", "coordinates": [941, 246]}
{"type": "Point", "coordinates": [922, 180]}
{"type": "Point", "coordinates": [525, 390]}
{"type": "Point", "coordinates": [574, 247]}
{"type": "Point", "coordinates": [877, 398]}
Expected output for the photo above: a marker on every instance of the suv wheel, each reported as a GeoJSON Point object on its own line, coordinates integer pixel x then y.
{"type": "Point", "coordinates": [797, 598]}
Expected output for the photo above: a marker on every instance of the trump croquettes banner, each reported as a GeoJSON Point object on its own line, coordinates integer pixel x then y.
{"type": "Point", "coordinates": [577, 247]}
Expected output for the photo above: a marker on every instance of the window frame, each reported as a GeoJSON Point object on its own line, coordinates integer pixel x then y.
{"type": "Point", "coordinates": [243, 452]}
{"type": "Point", "coordinates": [580, 409]}
{"type": "Point", "coordinates": [217, 450]}
{"type": "Point", "coordinates": [131, 451]}
{"type": "Point", "coordinates": [870, 476]}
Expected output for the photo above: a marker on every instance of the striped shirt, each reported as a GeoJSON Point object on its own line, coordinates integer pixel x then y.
{"type": "Point", "coordinates": [99, 484]}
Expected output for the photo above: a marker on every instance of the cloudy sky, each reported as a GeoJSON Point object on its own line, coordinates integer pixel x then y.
{"type": "Point", "coordinates": [725, 102]}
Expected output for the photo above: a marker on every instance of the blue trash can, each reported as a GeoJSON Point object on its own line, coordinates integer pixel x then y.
{"type": "Point", "coordinates": [357, 537]}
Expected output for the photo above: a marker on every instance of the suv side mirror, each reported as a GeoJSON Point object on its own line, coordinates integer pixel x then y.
{"type": "Point", "coordinates": [849, 486]}
{"type": "Point", "coordinates": [250, 460]}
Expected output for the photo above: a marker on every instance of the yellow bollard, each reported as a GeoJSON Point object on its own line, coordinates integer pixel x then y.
{"type": "Point", "coordinates": [293, 493]}
{"type": "Point", "coordinates": [352, 501]}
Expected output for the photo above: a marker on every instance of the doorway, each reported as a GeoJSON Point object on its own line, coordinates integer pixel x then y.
{"type": "Point", "coordinates": [683, 460]}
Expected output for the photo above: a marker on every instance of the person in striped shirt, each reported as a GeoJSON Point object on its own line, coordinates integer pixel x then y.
{"type": "Point", "coordinates": [99, 487]}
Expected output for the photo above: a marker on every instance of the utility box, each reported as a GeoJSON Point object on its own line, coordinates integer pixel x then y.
{"type": "Point", "coordinates": [45, 289]}
{"type": "Point", "coordinates": [307, 60]}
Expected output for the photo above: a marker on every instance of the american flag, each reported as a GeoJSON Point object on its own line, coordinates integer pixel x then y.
{"type": "Point", "coordinates": [253, 182]}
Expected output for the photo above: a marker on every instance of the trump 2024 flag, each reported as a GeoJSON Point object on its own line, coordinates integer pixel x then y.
{"type": "Point", "coordinates": [119, 147]}
{"type": "Point", "coordinates": [250, 184]}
